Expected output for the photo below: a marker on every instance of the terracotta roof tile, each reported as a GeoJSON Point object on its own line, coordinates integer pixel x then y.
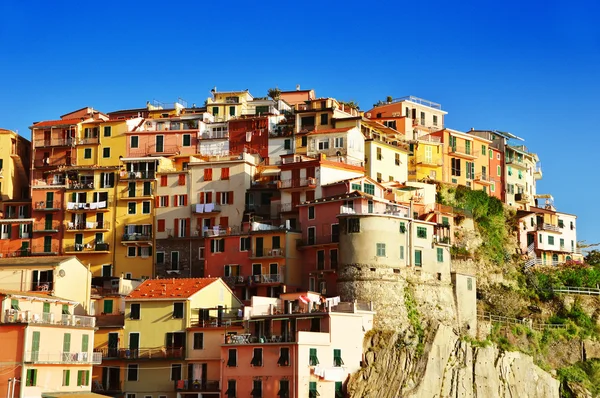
{"type": "Point", "coordinates": [57, 122]}
{"type": "Point", "coordinates": [328, 131]}
{"type": "Point", "coordinates": [169, 288]}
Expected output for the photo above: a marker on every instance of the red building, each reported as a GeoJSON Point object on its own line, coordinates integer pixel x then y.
{"type": "Point", "coordinates": [250, 134]}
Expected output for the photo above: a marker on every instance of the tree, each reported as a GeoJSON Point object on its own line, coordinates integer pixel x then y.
{"type": "Point", "coordinates": [593, 257]}
{"type": "Point", "coordinates": [350, 104]}
{"type": "Point", "coordinates": [274, 93]}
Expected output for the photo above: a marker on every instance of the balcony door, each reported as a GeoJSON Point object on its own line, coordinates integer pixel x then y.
{"type": "Point", "coordinates": [198, 371]}
{"type": "Point", "coordinates": [113, 344]}
{"type": "Point", "coordinates": [49, 200]}
{"type": "Point", "coordinates": [160, 143]}
{"type": "Point", "coordinates": [111, 378]}
{"type": "Point", "coordinates": [47, 138]}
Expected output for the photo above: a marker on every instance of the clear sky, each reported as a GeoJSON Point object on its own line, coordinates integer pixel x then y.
{"type": "Point", "coordinates": [528, 67]}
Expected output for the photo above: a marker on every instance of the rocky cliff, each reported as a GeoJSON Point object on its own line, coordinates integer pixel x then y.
{"type": "Point", "coordinates": [447, 367]}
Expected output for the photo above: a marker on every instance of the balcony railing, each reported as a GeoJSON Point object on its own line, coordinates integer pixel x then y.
{"type": "Point", "coordinates": [80, 185]}
{"type": "Point", "coordinates": [463, 151]}
{"type": "Point", "coordinates": [268, 252]}
{"type": "Point", "coordinates": [547, 227]}
{"type": "Point", "coordinates": [516, 162]}
{"type": "Point", "coordinates": [152, 353]}
{"type": "Point", "coordinates": [137, 193]}
{"type": "Point", "coordinates": [267, 278]}
{"type": "Point", "coordinates": [200, 208]}
{"type": "Point", "coordinates": [23, 252]}
{"type": "Point", "coordinates": [288, 207]}
{"type": "Point", "coordinates": [45, 249]}
{"type": "Point", "coordinates": [14, 316]}
{"type": "Point", "coordinates": [88, 141]}
{"type": "Point", "coordinates": [108, 352]}
{"type": "Point", "coordinates": [54, 142]}
{"type": "Point", "coordinates": [522, 197]}
{"type": "Point", "coordinates": [319, 240]}
{"type": "Point", "coordinates": [297, 183]}
{"type": "Point", "coordinates": [55, 162]}
{"type": "Point", "coordinates": [45, 205]}
{"type": "Point", "coordinates": [87, 248]}
{"type": "Point", "coordinates": [137, 175]}
{"type": "Point", "coordinates": [86, 226]}
{"type": "Point", "coordinates": [109, 387]}
{"type": "Point", "coordinates": [483, 178]}
{"type": "Point", "coordinates": [215, 135]}
{"type": "Point", "coordinates": [428, 161]}
{"type": "Point", "coordinates": [92, 206]}
{"type": "Point", "coordinates": [136, 237]}
{"type": "Point", "coordinates": [192, 385]}
{"type": "Point", "coordinates": [81, 358]}
{"type": "Point", "coordinates": [46, 226]}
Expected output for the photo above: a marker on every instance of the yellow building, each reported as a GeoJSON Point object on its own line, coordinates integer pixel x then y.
{"type": "Point", "coordinates": [15, 160]}
{"type": "Point", "coordinates": [134, 224]}
{"type": "Point", "coordinates": [466, 160]}
{"type": "Point", "coordinates": [427, 159]}
{"type": "Point", "coordinates": [227, 105]}
{"type": "Point", "coordinates": [160, 357]}
{"type": "Point", "coordinates": [386, 154]}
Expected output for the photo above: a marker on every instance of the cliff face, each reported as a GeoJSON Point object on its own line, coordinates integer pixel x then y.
{"type": "Point", "coordinates": [448, 367]}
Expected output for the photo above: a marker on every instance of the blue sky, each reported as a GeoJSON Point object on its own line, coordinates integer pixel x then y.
{"type": "Point", "coordinates": [530, 68]}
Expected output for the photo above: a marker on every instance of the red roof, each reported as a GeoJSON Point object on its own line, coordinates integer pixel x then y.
{"type": "Point", "coordinates": [327, 131]}
{"type": "Point", "coordinates": [171, 288]}
{"type": "Point", "coordinates": [57, 122]}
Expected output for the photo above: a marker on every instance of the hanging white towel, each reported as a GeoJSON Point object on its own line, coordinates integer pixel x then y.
{"type": "Point", "coordinates": [70, 206]}
{"type": "Point", "coordinates": [102, 205]}
{"type": "Point", "coordinates": [248, 136]}
{"type": "Point", "coordinates": [209, 207]}
{"type": "Point", "coordinates": [199, 208]}
{"type": "Point", "coordinates": [93, 206]}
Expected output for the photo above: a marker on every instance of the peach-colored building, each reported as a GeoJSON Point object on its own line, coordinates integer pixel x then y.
{"type": "Point", "coordinates": [298, 345]}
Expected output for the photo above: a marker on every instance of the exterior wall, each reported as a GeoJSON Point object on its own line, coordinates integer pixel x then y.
{"type": "Point", "coordinates": [257, 129]}
{"type": "Point", "coordinates": [385, 166]}
{"type": "Point", "coordinates": [498, 187]}
{"type": "Point", "coordinates": [219, 105]}
{"type": "Point", "coordinates": [353, 144]}
{"type": "Point", "coordinates": [41, 208]}
{"type": "Point", "coordinates": [465, 295]}
{"type": "Point", "coordinates": [154, 378]}
{"type": "Point", "coordinates": [13, 337]}
{"type": "Point", "coordinates": [14, 170]}
{"type": "Point", "coordinates": [427, 160]}
{"type": "Point", "coordinates": [412, 108]}
{"type": "Point", "coordinates": [277, 147]}
{"type": "Point", "coordinates": [172, 130]}
{"type": "Point", "coordinates": [520, 177]}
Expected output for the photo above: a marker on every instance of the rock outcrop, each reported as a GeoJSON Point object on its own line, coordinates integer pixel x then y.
{"type": "Point", "coordinates": [448, 367]}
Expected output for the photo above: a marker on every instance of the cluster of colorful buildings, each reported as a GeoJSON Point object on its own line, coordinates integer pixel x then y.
{"type": "Point", "coordinates": [211, 238]}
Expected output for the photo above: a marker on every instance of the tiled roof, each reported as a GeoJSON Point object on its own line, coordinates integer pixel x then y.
{"type": "Point", "coordinates": [169, 288]}
{"type": "Point", "coordinates": [57, 122]}
{"type": "Point", "coordinates": [329, 131]}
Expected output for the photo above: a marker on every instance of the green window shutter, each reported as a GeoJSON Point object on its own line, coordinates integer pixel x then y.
{"type": "Point", "coordinates": [418, 258]}
{"type": "Point", "coordinates": [35, 343]}
{"type": "Point", "coordinates": [84, 343]}
{"type": "Point", "coordinates": [34, 371]}
{"type": "Point", "coordinates": [68, 377]}
{"type": "Point", "coordinates": [87, 378]}
{"type": "Point", "coordinates": [67, 342]}
{"type": "Point", "coordinates": [108, 306]}
{"type": "Point", "coordinates": [440, 255]}
{"type": "Point", "coordinates": [14, 304]}
{"type": "Point", "coordinates": [9, 230]}
{"type": "Point", "coordinates": [46, 308]}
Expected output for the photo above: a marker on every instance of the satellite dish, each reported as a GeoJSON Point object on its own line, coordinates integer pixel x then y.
{"type": "Point", "coordinates": [61, 273]}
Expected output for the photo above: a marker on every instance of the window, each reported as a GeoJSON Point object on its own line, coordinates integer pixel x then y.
{"type": "Point", "coordinates": [181, 179]}
{"type": "Point", "coordinates": [369, 189]}
{"type": "Point", "coordinates": [131, 208]}
{"type": "Point", "coordinates": [134, 141]}
{"type": "Point", "coordinates": [146, 207]}
{"type": "Point", "coordinates": [163, 201]}
{"type": "Point", "coordinates": [217, 246]}
{"type": "Point", "coordinates": [198, 341]}
{"type": "Point", "coordinates": [493, 187]}
{"type": "Point", "coordinates": [418, 258]}
{"type": "Point", "coordinates": [187, 140]}
{"type": "Point", "coordinates": [323, 144]}
{"type": "Point", "coordinates": [256, 389]}
{"type": "Point", "coordinates": [287, 144]}
{"type": "Point", "coordinates": [66, 377]}
{"type": "Point", "coordinates": [401, 252]}
{"type": "Point", "coordinates": [324, 118]}
{"type": "Point", "coordinates": [178, 310]}
{"type": "Point", "coordinates": [356, 187]}
{"type": "Point", "coordinates": [175, 371]}
{"type": "Point", "coordinates": [422, 232]}
{"type": "Point", "coordinates": [561, 223]}
{"type": "Point", "coordinates": [469, 284]}
{"type": "Point", "coordinates": [540, 238]}
{"type": "Point", "coordinates": [14, 304]}
{"type": "Point", "coordinates": [353, 225]}
{"type": "Point", "coordinates": [402, 227]}
{"type": "Point", "coordinates": [550, 240]}
{"type": "Point", "coordinates": [106, 153]}
{"type": "Point", "coordinates": [455, 165]}
{"type": "Point", "coordinates": [312, 389]}
{"type": "Point", "coordinates": [379, 156]}
{"type": "Point", "coordinates": [207, 174]}
{"type": "Point", "coordinates": [483, 150]}
{"type": "Point", "coordinates": [380, 249]}
{"type": "Point", "coordinates": [232, 357]}
{"type": "Point", "coordinates": [312, 357]}
{"type": "Point", "coordinates": [180, 200]}
{"type": "Point", "coordinates": [225, 173]}
{"type": "Point", "coordinates": [83, 378]}
{"type": "Point", "coordinates": [435, 120]}
{"type": "Point", "coordinates": [440, 255]}
{"type": "Point", "coordinates": [284, 389]}
{"type": "Point", "coordinates": [231, 389]}
{"type": "Point", "coordinates": [468, 147]}
{"type": "Point", "coordinates": [320, 260]}
{"type": "Point", "coordinates": [338, 142]}
{"type": "Point", "coordinates": [339, 386]}
{"type": "Point", "coordinates": [245, 244]}
{"type": "Point", "coordinates": [257, 357]}
{"type": "Point", "coordinates": [337, 357]}
{"type": "Point", "coordinates": [31, 378]}
{"type": "Point", "coordinates": [131, 251]}
{"type": "Point", "coordinates": [87, 153]}
{"type": "Point", "coordinates": [160, 257]}
{"type": "Point", "coordinates": [134, 311]}
{"type": "Point", "coordinates": [284, 356]}
{"type": "Point", "coordinates": [311, 212]}
{"type": "Point", "coordinates": [397, 159]}
{"type": "Point", "coordinates": [232, 111]}
{"type": "Point", "coordinates": [107, 131]}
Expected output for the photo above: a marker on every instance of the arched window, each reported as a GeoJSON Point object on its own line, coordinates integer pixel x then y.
{"type": "Point", "coordinates": [554, 259]}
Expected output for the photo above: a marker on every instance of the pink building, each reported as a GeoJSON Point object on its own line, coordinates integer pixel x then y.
{"type": "Point", "coordinates": [298, 345]}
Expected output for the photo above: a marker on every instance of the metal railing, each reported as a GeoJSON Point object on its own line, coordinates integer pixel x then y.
{"type": "Point", "coordinates": [519, 322]}
{"type": "Point", "coordinates": [86, 248]}
{"type": "Point", "coordinates": [108, 352]}
{"type": "Point", "coordinates": [151, 353]}
{"type": "Point", "coordinates": [137, 193]}
{"type": "Point", "coordinates": [200, 208]}
{"type": "Point", "coordinates": [88, 140]}
{"type": "Point", "coordinates": [45, 249]}
{"type": "Point", "coordinates": [589, 291]}
{"type": "Point", "coordinates": [132, 237]}
{"type": "Point", "coordinates": [23, 252]}
{"type": "Point", "coordinates": [64, 357]}
{"type": "Point", "coordinates": [268, 252]}
{"type": "Point", "coordinates": [93, 206]}
{"type": "Point", "coordinates": [266, 278]}
{"type": "Point", "coordinates": [547, 227]}
{"type": "Point", "coordinates": [483, 177]}
{"type": "Point", "coordinates": [44, 205]}
{"type": "Point", "coordinates": [83, 226]}
{"type": "Point", "coordinates": [429, 161]}
{"type": "Point", "coordinates": [214, 135]}
{"type": "Point", "coordinates": [462, 150]}
{"type": "Point", "coordinates": [43, 226]}
{"type": "Point", "coordinates": [419, 101]}
{"type": "Point", "coordinates": [191, 385]}
{"type": "Point", "coordinates": [516, 162]}
{"type": "Point", "coordinates": [297, 183]}
{"type": "Point", "coordinates": [80, 185]}
{"type": "Point", "coordinates": [15, 316]}
{"type": "Point", "coordinates": [319, 240]}
{"type": "Point", "coordinates": [137, 175]}
{"type": "Point", "coordinates": [55, 161]}
{"type": "Point", "coordinates": [54, 142]}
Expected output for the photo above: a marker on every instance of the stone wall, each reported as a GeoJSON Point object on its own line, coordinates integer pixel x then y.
{"type": "Point", "coordinates": [190, 266]}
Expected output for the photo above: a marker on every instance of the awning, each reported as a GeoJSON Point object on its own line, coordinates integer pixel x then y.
{"type": "Point", "coordinates": [270, 172]}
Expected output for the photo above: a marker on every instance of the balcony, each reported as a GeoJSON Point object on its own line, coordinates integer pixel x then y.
{"type": "Point", "coordinates": [55, 162]}
{"type": "Point", "coordinates": [88, 141]}
{"type": "Point", "coordinates": [111, 387]}
{"type": "Point", "coordinates": [23, 252]}
{"type": "Point", "coordinates": [206, 208]}
{"type": "Point", "coordinates": [267, 252]}
{"type": "Point", "coordinates": [267, 279]}
{"type": "Point", "coordinates": [548, 227]}
{"type": "Point", "coordinates": [83, 185]}
{"type": "Point", "coordinates": [136, 237]}
{"type": "Point", "coordinates": [213, 135]}
{"type": "Point", "coordinates": [53, 142]}
{"type": "Point", "coordinates": [288, 207]}
{"type": "Point", "coordinates": [537, 172]}
{"type": "Point", "coordinates": [463, 151]}
{"type": "Point", "coordinates": [74, 358]}
{"type": "Point", "coordinates": [108, 352]}
{"type": "Point", "coordinates": [91, 206]}
{"type": "Point", "coordinates": [139, 193]}
{"type": "Point", "coordinates": [428, 161]}
{"type": "Point", "coordinates": [137, 175]}
{"type": "Point", "coordinates": [318, 240]}
{"type": "Point", "coordinates": [516, 162]}
{"type": "Point", "coordinates": [45, 250]}
{"type": "Point", "coordinates": [191, 385]}
{"type": "Point", "coordinates": [483, 179]}
{"type": "Point", "coordinates": [88, 226]}
{"type": "Point", "coordinates": [46, 226]}
{"type": "Point", "coordinates": [309, 182]}
{"type": "Point", "coordinates": [43, 205]}
{"type": "Point", "coordinates": [89, 248]}
{"type": "Point", "coordinates": [14, 316]}
{"type": "Point", "coordinates": [151, 353]}
{"type": "Point", "coordinates": [154, 150]}
{"type": "Point", "coordinates": [522, 197]}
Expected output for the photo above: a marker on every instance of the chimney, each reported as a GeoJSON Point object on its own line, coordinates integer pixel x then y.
{"type": "Point", "coordinates": [297, 87]}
